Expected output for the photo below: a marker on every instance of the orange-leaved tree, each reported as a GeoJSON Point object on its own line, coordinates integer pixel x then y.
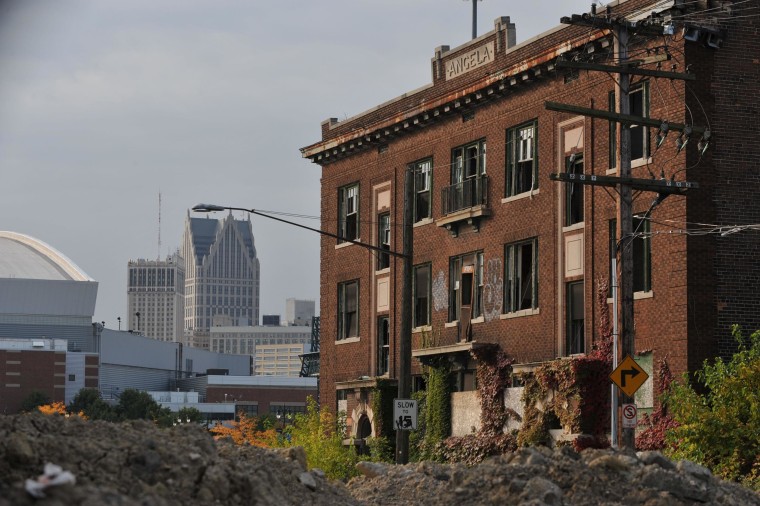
{"type": "Point", "coordinates": [58, 408]}
{"type": "Point", "coordinates": [245, 430]}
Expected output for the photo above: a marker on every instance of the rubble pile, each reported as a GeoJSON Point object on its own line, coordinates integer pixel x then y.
{"type": "Point", "coordinates": [137, 463]}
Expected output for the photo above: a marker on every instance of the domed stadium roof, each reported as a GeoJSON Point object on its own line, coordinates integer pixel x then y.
{"type": "Point", "coordinates": [25, 257]}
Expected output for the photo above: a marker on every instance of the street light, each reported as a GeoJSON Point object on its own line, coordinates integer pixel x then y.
{"type": "Point", "coordinates": [405, 338]}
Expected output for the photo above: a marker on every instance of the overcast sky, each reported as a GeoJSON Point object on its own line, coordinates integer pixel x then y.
{"type": "Point", "coordinates": [106, 103]}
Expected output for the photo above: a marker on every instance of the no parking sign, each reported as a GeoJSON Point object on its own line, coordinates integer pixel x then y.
{"type": "Point", "coordinates": [630, 416]}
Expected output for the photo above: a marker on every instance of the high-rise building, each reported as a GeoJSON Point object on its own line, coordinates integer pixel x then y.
{"type": "Point", "coordinates": [155, 297]}
{"type": "Point", "coordinates": [221, 276]}
{"type": "Point", "coordinates": [298, 312]}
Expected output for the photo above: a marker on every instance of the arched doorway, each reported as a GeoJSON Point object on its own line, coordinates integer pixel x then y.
{"type": "Point", "coordinates": [363, 431]}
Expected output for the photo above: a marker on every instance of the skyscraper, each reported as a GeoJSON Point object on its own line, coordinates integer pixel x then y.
{"type": "Point", "coordinates": [221, 276]}
{"type": "Point", "coordinates": [155, 293]}
{"type": "Point", "coordinates": [298, 312]}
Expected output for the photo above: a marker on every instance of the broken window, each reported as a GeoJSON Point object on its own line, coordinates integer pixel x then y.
{"type": "Point", "coordinates": [348, 213]}
{"type": "Point", "coordinates": [383, 344]}
{"type": "Point", "coordinates": [348, 310]}
{"type": "Point", "coordinates": [465, 285]}
{"type": "Point", "coordinates": [638, 102]}
{"type": "Point", "coordinates": [421, 296]}
{"type": "Point", "coordinates": [521, 279]}
{"type": "Point", "coordinates": [468, 161]}
{"type": "Point", "coordinates": [574, 191]}
{"type": "Point", "coordinates": [423, 176]}
{"type": "Point", "coordinates": [576, 342]}
{"type": "Point", "coordinates": [384, 240]}
{"type": "Point", "coordinates": [522, 165]}
{"type": "Point", "coordinates": [641, 244]}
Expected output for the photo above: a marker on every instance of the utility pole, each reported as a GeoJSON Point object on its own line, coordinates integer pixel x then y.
{"type": "Point", "coordinates": [624, 181]}
{"type": "Point", "coordinates": [625, 210]}
{"type": "Point", "coordinates": [405, 336]}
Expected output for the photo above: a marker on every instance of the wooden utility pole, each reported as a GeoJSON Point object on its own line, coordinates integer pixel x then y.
{"type": "Point", "coordinates": [625, 210]}
{"type": "Point", "coordinates": [624, 181]}
{"type": "Point", "coordinates": [405, 336]}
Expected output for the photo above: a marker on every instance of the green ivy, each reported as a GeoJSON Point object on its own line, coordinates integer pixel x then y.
{"type": "Point", "coordinates": [439, 403]}
{"type": "Point", "coordinates": [382, 406]}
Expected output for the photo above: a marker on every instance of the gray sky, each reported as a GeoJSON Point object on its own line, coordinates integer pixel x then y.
{"type": "Point", "coordinates": [104, 103]}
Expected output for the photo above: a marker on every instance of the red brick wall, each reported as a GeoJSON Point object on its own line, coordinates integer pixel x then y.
{"type": "Point", "coordinates": [696, 289]}
{"type": "Point", "coordinates": [25, 371]}
{"type": "Point", "coordinates": [264, 396]}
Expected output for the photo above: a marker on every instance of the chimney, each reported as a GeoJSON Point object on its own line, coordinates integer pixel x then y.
{"type": "Point", "coordinates": [510, 33]}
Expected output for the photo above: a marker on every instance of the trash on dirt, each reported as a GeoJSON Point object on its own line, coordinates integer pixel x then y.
{"type": "Point", "coordinates": [53, 475]}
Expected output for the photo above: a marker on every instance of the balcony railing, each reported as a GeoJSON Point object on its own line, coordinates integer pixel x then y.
{"type": "Point", "coordinates": [469, 193]}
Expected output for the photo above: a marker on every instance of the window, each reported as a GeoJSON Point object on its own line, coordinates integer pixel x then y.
{"type": "Point", "coordinates": [423, 176]}
{"type": "Point", "coordinates": [576, 342]}
{"type": "Point", "coordinates": [642, 252]}
{"type": "Point", "coordinates": [468, 161]}
{"type": "Point", "coordinates": [468, 180]}
{"type": "Point", "coordinates": [638, 100]}
{"type": "Point", "coordinates": [348, 213]}
{"type": "Point", "coordinates": [348, 309]}
{"type": "Point", "coordinates": [384, 240]}
{"type": "Point", "coordinates": [421, 296]}
{"type": "Point", "coordinates": [574, 191]}
{"type": "Point", "coordinates": [465, 285]}
{"type": "Point", "coordinates": [522, 162]}
{"type": "Point", "coordinates": [521, 286]}
{"type": "Point", "coordinates": [383, 344]}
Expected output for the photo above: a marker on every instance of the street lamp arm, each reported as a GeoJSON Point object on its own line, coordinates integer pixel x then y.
{"type": "Point", "coordinates": [208, 208]}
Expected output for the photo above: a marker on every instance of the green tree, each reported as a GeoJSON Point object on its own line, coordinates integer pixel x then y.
{"type": "Point", "coordinates": [34, 399]}
{"type": "Point", "coordinates": [88, 401]}
{"type": "Point", "coordinates": [720, 428]}
{"type": "Point", "coordinates": [321, 435]}
{"type": "Point", "coordinates": [137, 405]}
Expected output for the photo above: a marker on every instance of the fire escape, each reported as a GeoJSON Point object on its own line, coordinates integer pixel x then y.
{"type": "Point", "coordinates": [310, 360]}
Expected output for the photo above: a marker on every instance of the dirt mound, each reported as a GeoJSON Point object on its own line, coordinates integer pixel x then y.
{"type": "Point", "coordinates": [138, 464]}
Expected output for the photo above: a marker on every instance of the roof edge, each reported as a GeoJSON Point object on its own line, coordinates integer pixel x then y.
{"type": "Point", "coordinates": [52, 254]}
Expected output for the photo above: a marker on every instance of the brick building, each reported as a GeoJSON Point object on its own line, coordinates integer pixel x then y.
{"type": "Point", "coordinates": [504, 255]}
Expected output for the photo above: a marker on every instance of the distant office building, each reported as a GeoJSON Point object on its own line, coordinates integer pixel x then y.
{"type": "Point", "coordinates": [221, 276]}
{"type": "Point", "coordinates": [299, 312]}
{"type": "Point", "coordinates": [274, 350]}
{"type": "Point", "coordinates": [278, 359]}
{"type": "Point", "coordinates": [271, 320]}
{"type": "Point", "coordinates": [156, 297]}
{"type": "Point", "coordinates": [43, 294]}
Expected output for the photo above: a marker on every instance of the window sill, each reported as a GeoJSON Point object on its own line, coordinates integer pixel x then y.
{"type": "Point", "coordinates": [346, 244]}
{"type": "Point", "coordinates": [519, 314]}
{"type": "Point", "coordinates": [479, 319]}
{"type": "Point", "coordinates": [449, 325]}
{"type": "Point", "coordinates": [348, 340]}
{"type": "Point", "coordinates": [423, 328]}
{"type": "Point", "coordinates": [520, 196]}
{"type": "Point", "coordinates": [636, 296]}
{"type": "Point", "coordinates": [571, 228]}
{"type": "Point", "coordinates": [423, 222]}
{"type": "Point", "coordinates": [383, 271]}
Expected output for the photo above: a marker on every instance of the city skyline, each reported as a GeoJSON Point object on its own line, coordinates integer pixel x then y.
{"type": "Point", "coordinates": [105, 105]}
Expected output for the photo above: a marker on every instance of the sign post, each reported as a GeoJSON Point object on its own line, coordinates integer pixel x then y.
{"type": "Point", "coordinates": [405, 414]}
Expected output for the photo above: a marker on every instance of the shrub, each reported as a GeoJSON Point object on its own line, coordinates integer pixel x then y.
{"type": "Point", "coordinates": [719, 428]}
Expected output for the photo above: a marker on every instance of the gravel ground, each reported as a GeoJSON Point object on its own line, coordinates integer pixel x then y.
{"type": "Point", "coordinates": [138, 464]}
